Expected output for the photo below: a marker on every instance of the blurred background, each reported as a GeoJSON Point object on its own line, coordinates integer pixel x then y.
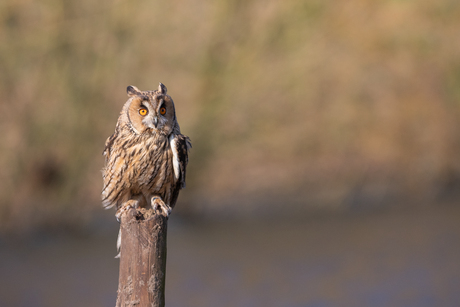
{"type": "Point", "coordinates": [325, 166]}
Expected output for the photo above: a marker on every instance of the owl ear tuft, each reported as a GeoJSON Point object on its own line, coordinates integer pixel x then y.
{"type": "Point", "coordinates": [162, 89]}
{"type": "Point", "coordinates": [132, 90]}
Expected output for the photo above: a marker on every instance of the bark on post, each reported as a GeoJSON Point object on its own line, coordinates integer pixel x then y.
{"type": "Point", "coordinates": [142, 259]}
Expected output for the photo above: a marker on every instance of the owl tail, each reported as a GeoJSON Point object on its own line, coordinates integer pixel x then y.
{"type": "Point", "coordinates": [118, 244]}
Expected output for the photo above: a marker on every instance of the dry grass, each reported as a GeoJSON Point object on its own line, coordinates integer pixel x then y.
{"type": "Point", "coordinates": [325, 104]}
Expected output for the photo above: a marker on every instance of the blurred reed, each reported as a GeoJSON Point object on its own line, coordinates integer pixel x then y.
{"type": "Point", "coordinates": [293, 105]}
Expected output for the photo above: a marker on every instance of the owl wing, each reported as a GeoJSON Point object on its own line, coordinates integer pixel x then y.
{"type": "Point", "coordinates": [180, 145]}
{"type": "Point", "coordinates": [108, 200]}
{"type": "Point", "coordinates": [108, 146]}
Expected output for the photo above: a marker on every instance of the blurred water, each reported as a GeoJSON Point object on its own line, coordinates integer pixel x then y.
{"type": "Point", "coordinates": [385, 259]}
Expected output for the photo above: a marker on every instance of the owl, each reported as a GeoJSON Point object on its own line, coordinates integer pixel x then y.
{"type": "Point", "coordinates": [146, 157]}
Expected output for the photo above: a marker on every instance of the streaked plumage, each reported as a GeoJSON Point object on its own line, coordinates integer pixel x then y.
{"type": "Point", "coordinates": [146, 157]}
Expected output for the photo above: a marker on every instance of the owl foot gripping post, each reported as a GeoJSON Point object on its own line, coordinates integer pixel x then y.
{"type": "Point", "coordinates": [145, 167]}
{"type": "Point", "coordinates": [157, 203]}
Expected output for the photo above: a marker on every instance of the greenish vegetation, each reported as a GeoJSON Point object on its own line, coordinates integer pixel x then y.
{"type": "Point", "coordinates": [292, 105]}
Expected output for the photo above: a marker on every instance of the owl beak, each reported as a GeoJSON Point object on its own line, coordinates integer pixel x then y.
{"type": "Point", "coordinates": [155, 121]}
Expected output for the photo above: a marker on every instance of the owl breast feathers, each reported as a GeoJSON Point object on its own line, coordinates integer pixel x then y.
{"type": "Point", "coordinates": [147, 156]}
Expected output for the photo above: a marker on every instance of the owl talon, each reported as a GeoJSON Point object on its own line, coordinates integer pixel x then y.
{"type": "Point", "coordinates": [159, 206]}
{"type": "Point", "coordinates": [125, 208]}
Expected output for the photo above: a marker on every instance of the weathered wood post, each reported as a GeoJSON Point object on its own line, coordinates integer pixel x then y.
{"type": "Point", "coordinates": [142, 259]}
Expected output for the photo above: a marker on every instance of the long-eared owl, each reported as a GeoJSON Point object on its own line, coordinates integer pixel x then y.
{"type": "Point", "coordinates": [147, 156]}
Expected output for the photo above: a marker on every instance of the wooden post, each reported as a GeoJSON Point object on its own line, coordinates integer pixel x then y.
{"type": "Point", "coordinates": [142, 259]}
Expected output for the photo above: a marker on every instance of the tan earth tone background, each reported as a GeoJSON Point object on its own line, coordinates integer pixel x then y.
{"type": "Point", "coordinates": [292, 106]}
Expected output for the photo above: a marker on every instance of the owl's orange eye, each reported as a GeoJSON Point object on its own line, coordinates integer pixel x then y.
{"type": "Point", "coordinates": [143, 111]}
{"type": "Point", "coordinates": [162, 110]}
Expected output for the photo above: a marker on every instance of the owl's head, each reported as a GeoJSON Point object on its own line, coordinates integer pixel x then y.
{"type": "Point", "coordinates": [150, 111]}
